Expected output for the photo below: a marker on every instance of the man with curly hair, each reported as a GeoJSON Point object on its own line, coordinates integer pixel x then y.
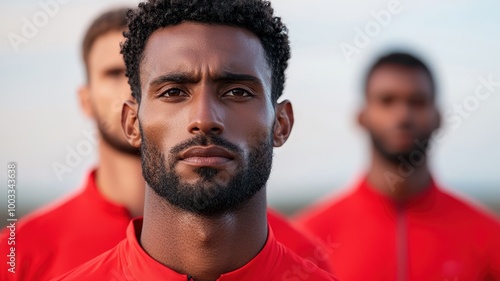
{"type": "Point", "coordinates": [206, 77]}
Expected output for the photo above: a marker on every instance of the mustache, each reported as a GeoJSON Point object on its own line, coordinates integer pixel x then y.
{"type": "Point", "coordinates": [405, 125]}
{"type": "Point", "coordinates": [204, 140]}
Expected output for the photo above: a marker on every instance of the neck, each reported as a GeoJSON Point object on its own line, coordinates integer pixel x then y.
{"type": "Point", "coordinates": [200, 246]}
{"type": "Point", "coordinates": [399, 181]}
{"type": "Point", "coordinates": [119, 178]}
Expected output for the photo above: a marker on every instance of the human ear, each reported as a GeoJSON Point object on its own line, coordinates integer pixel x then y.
{"type": "Point", "coordinates": [283, 124]}
{"type": "Point", "coordinates": [130, 123]}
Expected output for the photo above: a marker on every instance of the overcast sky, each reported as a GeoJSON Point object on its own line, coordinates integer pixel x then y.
{"type": "Point", "coordinates": [327, 151]}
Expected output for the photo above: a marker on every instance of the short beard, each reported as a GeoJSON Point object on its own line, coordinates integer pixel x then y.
{"type": "Point", "coordinates": [207, 197]}
{"type": "Point", "coordinates": [114, 142]}
{"type": "Point", "coordinates": [398, 157]}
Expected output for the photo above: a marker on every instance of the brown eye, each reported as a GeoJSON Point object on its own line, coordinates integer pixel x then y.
{"type": "Point", "coordinates": [387, 100]}
{"type": "Point", "coordinates": [115, 72]}
{"type": "Point", "coordinates": [238, 93]}
{"type": "Point", "coordinates": [174, 92]}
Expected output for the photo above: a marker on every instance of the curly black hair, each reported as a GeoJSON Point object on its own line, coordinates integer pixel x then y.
{"type": "Point", "coordinates": [253, 15]}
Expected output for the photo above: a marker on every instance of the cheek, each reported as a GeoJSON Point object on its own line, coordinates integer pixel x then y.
{"type": "Point", "coordinates": [377, 119]}
{"type": "Point", "coordinates": [118, 93]}
{"type": "Point", "coordinates": [124, 89]}
{"type": "Point", "coordinates": [163, 127]}
{"type": "Point", "coordinates": [106, 98]}
{"type": "Point", "coordinates": [103, 106]}
{"type": "Point", "coordinates": [427, 121]}
{"type": "Point", "coordinates": [249, 126]}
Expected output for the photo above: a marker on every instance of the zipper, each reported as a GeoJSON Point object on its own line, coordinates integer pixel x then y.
{"type": "Point", "coordinates": [401, 245]}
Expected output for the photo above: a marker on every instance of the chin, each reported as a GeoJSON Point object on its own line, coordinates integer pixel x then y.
{"type": "Point", "coordinates": [402, 148]}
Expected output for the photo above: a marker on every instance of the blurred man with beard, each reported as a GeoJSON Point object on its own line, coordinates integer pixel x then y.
{"type": "Point", "coordinates": [62, 236]}
{"type": "Point", "coordinates": [206, 77]}
{"type": "Point", "coordinates": [397, 223]}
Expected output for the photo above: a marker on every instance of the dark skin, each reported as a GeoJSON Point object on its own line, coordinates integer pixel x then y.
{"type": "Point", "coordinates": [399, 109]}
{"type": "Point", "coordinates": [205, 79]}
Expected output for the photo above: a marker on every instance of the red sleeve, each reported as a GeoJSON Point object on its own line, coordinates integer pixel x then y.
{"type": "Point", "coordinates": [495, 253]}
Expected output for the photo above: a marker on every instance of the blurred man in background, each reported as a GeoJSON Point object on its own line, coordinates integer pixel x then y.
{"type": "Point", "coordinates": [60, 237]}
{"type": "Point", "coordinates": [57, 238]}
{"type": "Point", "coordinates": [397, 223]}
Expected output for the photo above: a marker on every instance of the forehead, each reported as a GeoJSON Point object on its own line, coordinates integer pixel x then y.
{"type": "Point", "coordinates": [106, 50]}
{"type": "Point", "coordinates": [398, 79]}
{"type": "Point", "coordinates": [203, 48]}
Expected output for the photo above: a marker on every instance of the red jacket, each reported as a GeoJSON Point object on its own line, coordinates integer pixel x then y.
{"type": "Point", "coordinates": [432, 237]}
{"type": "Point", "coordinates": [61, 237]}
{"type": "Point", "coordinates": [128, 262]}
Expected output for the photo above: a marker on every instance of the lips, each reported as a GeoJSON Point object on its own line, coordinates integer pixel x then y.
{"type": "Point", "coordinates": [206, 156]}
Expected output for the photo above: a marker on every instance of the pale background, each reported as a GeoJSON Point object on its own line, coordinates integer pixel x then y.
{"type": "Point", "coordinates": [326, 153]}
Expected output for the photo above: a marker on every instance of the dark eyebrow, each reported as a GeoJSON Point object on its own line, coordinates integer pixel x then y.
{"type": "Point", "coordinates": [186, 78]}
{"type": "Point", "coordinates": [234, 77]}
{"type": "Point", "coordinates": [179, 78]}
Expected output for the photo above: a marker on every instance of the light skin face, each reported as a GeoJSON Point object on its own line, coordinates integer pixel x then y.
{"type": "Point", "coordinates": [195, 80]}
{"type": "Point", "coordinates": [399, 108]}
{"type": "Point", "coordinates": [102, 97]}
{"type": "Point", "coordinates": [118, 176]}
